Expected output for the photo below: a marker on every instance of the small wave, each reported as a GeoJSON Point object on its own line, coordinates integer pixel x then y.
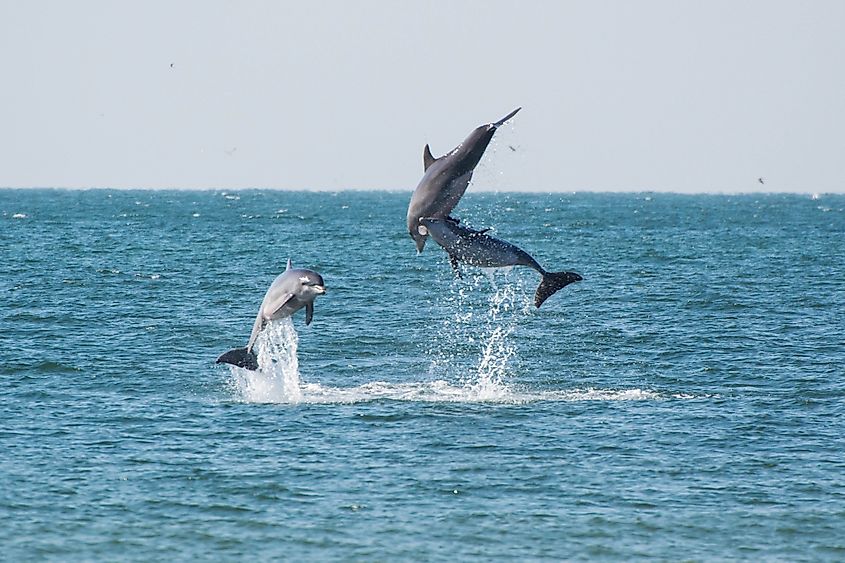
{"type": "Point", "coordinates": [439, 391]}
{"type": "Point", "coordinates": [56, 367]}
{"type": "Point", "coordinates": [591, 394]}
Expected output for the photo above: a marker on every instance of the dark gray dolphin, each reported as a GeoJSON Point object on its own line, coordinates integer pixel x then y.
{"type": "Point", "coordinates": [289, 292]}
{"type": "Point", "coordinates": [479, 249]}
{"type": "Point", "coordinates": [446, 178]}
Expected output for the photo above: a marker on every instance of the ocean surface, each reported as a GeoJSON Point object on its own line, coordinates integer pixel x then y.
{"type": "Point", "coordinates": [685, 401]}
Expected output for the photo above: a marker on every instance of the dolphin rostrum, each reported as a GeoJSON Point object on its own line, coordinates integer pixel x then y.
{"type": "Point", "coordinates": [479, 249]}
{"type": "Point", "coordinates": [446, 178]}
{"type": "Point", "coordinates": [289, 292]}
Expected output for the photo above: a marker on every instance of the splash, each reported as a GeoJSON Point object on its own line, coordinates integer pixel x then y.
{"type": "Point", "coordinates": [493, 368]}
{"type": "Point", "coordinates": [475, 344]}
{"type": "Point", "coordinates": [277, 377]}
{"type": "Point", "coordinates": [477, 357]}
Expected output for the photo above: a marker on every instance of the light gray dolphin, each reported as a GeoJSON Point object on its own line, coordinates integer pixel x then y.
{"type": "Point", "coordinates": [289, 292]}
{"type": "Point", "coordinates": [446, 178]}
{"type": "Point", "coordinates": [479, 249]}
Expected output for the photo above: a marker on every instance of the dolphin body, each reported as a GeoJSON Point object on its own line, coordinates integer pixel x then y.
{"type": "Point", "coordinates": [289, 292]}
{"type": "Point", "coordinates": [479, 249]}
{"type": "Point", "coordinates": [446, 178]}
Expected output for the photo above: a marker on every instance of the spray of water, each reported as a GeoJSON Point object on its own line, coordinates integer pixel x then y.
{"type": "Point", "coordinates": [493, 369]}
{"type": "Point", "coordinates": [277, 377]}
{"type": "Point", "coordinates": [475, 344]}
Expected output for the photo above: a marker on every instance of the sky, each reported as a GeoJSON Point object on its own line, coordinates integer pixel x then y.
{"type": "Point", "coordinates": [658, 95]}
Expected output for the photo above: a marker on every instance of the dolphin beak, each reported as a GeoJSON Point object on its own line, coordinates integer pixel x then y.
{"type": "Point", "coordinates": [320, 289]}
{"type": "Point", "coordinates": [505, 118]}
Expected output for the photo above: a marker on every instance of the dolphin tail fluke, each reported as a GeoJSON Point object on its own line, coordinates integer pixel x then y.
{"type": "Point", "coordinates": [552, 283]}
{"type": "Point", "coordinates": [505, 118]}
{"type": "Point", "coordinates": [241, 357]}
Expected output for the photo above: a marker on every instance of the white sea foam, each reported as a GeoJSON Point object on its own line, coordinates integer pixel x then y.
{"type": "Point", "coordinates": [440, 391]}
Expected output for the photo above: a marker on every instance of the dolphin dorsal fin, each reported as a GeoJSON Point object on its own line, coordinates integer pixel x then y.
{"type": "Point", "coordinates": [289, 266]}
{"type": "Point", "coordinates": [427, 158]}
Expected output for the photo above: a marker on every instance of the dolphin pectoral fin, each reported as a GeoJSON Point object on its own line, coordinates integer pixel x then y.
{"type": "Point", "coordinates": [455, 268]}
{"type": "Point", "coordinates": [273, 306]}
{"type": "Point", "coordinates": [552, 282]}
{"type": "Point", "coordinates": [309, 313]}
{"type": "Point", "coordinates": [241, 357]}
{"type": "Point", "coordinates": [505, 118]}
{"type": "Point", "coordinates": [428, 159]}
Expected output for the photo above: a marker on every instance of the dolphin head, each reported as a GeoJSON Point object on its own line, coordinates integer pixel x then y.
{"type": "Point", "coordinates": [427, 223]}
{"type": "Point", "coordinates": [418, 234]}
{"type": "Point", "coordinates": [311, 284]}
{"type": "Point", "coordinates": [473, 147]}
{"type": "Point", "coordinates": [443, 231]}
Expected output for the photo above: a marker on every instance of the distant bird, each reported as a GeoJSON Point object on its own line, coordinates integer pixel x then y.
{"type": "Point", "coordinates": [511, 147]}
{"type": "Point", "coordinates": [231, 151]}
{"type": "Point", "coordinates": [761, 180]}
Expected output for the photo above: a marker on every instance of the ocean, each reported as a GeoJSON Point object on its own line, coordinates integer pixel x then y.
{"type": "Point", "coordinates": [685, 401]}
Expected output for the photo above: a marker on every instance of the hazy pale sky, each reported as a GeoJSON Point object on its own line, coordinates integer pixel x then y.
{"type": "Point", "coordinates": [667, 95]}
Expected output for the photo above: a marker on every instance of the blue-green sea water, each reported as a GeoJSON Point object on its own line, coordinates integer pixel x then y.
{"type": "Point", "coordinates": [685, 401]}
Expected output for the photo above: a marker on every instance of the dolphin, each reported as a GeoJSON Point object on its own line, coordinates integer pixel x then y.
{"type": "Point", "coordinates": [480, 249]}
{"type": "Point", "coordinates": [289, 292]}
{"type": "Point", "coordinates": [446, 178]}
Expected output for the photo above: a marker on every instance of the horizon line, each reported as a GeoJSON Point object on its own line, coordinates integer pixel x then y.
{"type": "Point", "coordinates": [407, 190]}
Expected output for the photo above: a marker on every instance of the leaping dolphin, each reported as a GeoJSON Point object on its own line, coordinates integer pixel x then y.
{"type": "Point", "coordinates": [289, 292]}
{"type": "Point", "coordinates": [479, 249]}
{"type": "Point", "coordinates": [446, 178]}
